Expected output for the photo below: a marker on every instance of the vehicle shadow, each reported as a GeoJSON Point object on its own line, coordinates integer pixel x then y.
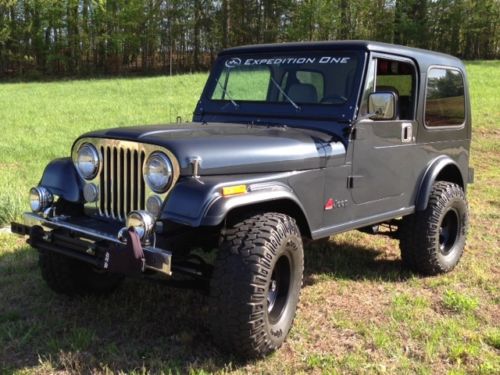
{"type": "Point", "coordinates": [142, 325]}
{"type": "Point", "coordinates": [349, 261]}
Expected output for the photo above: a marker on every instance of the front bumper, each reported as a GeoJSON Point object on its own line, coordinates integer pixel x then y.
{"type": "Point", "coordinates": [84, 239]}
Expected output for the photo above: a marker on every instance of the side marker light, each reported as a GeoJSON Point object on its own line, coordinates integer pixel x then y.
{"type": "Point", "coordinates": [234, 190]}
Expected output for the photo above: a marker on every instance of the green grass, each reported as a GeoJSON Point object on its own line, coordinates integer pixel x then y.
{"type": "Point", "coordinates": [459, 302]}
{"type": "Point", "coordinates": [359, 311]}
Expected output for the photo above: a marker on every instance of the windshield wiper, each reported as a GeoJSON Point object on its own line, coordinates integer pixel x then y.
{"type": "Point", "coordinates": [226, 93]}
{"type": "Point", "coordinates": [285, 95]}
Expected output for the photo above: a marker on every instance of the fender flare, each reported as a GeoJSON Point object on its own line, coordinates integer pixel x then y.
{"type": "Point", "coordinates": [267, 193]}
{"type": "Point", "coordinates": [196, 204]}
{"type": "Point", "coordinates": [431, 173]}
{"type": "Point", "coordinates": [60, 178]}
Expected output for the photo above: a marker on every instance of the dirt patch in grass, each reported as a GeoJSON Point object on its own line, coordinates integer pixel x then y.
{"type": "Point", "coordinates": [9, 165]}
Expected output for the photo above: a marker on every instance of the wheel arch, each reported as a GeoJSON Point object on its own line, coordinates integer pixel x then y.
{"type": "Point", "coordinates": [196, 203]}
{"type": "Point", "coordinates": [282, 205]}
{"type": "Point", "coordinates": [442, 168]}
{"type": "Point", "coordinates": [261, 197]}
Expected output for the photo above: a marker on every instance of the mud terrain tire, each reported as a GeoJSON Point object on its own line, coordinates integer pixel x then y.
{"type": "Point", "coordinates": [256, 285]}
{"type": "Point", "coordinates": [432, 241]}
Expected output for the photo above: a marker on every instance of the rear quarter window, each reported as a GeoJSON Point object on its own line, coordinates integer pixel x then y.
{"type": "Point", "coordinates": [445, 98]}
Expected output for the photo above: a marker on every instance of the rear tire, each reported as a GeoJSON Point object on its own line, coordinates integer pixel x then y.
{"type": "Point", "coordinates": [70, 277]}
{"type": "Point", "coordinates": [256, 284]}
{"type": "Point", "coordinates": [432, 241]}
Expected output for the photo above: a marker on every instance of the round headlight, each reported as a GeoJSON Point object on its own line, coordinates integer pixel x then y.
{"type": "Point", "coordinates": [158, 172]}
{"type": "Point", "coordinates": [87, 161]}
{"type": "Point", "coordinates": [40, 198]}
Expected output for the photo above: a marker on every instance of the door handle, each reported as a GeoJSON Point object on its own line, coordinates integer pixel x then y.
{"type": "Point", "coordinates": [406, 132]}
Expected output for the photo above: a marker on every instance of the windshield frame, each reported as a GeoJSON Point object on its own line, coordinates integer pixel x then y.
{"type": "Point", "coordinates": [344, 111]}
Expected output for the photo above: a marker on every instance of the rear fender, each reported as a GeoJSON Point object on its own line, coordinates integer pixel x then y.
{"type": "Point", "coordinates": [441, 168]}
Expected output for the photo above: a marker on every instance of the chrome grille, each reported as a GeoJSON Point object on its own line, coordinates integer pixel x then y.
{"type": "Point", "coordinates": [122, 187]}
{"type": "Point", "coordinates": [120, 181]}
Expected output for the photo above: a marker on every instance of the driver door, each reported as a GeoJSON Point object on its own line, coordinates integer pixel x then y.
{"type": "Point", "coordinates": [382, 174]}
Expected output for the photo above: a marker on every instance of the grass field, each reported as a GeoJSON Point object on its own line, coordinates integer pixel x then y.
{"type": "Point", "coordinates": [359, 312]}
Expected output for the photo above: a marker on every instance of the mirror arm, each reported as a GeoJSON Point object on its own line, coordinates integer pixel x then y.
{"type": "Point", "coordinates": [367, 116]}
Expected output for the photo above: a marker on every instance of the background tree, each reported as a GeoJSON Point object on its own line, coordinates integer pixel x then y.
{"type": "Point", "coordinates": [105, 37]}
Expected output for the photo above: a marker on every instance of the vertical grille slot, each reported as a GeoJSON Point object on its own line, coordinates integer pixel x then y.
{"type": "Point", "coordinates": [122, 188]}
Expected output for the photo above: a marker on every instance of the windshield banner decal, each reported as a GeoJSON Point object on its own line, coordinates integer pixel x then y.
{"type": "Point", "coordinates": [234, 62]}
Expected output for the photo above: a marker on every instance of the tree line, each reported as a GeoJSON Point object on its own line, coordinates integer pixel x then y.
{"type": "Point", "coordinates": [106, 37]}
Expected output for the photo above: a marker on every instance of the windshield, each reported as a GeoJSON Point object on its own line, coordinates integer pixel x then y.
{"type": "Point", "coordinates": [323, 78]}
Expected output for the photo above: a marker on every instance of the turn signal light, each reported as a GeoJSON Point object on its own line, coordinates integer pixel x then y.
{"type": "Point", "coordinates": [234, 190]}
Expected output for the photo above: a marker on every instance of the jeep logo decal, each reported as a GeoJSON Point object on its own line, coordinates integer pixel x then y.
{"type": "Point", "coordinates": [335, 203]}
{"type": "Point", "coordinates": [233, 62]}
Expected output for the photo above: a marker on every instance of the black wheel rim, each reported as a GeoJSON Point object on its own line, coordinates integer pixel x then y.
{"type": "Point", "coordinates": [448, 231]}
{"type": "Point", "coordinates": [279, 285]}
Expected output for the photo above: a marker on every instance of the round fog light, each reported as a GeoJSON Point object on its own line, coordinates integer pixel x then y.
{"type": "Point", "coordinates": [153, 205]}
{"type": "Point", "coordinates": [142, 222]}
{"type": "Point", "coordinates": [40, 198]}
{"type": "Point", "coordinates": [90, 192]}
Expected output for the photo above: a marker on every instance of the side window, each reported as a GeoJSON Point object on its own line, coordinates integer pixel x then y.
{"type": "Point", "coordinates": [445, 99]}
{"type": "Point", "coordinates": [398, 77]}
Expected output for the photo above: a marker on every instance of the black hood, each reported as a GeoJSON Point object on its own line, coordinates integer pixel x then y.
{"type": "Point", "coordinates": [235, 148]}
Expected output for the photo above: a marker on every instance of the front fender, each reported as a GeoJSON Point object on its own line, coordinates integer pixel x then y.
{"type": "Point", "coordinates": [196, 202]}
{"type": "Point", "coordinates": [258, 193]}
{"type": "Point", "coordinates": [61, 178]}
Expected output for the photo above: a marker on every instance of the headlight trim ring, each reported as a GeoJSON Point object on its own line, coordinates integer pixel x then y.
{"type": "Point", "coordinates": [95, 160]}
{"type": "Point", "coordinates": [166, 163]}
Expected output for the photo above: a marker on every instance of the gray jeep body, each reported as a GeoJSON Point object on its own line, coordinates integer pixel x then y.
{"type": "Point", "coordinates": [325, 166]}
{"type": "Point", "coordinates": [287, 141]}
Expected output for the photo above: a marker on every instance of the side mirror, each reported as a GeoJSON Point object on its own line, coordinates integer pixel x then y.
{"type": "Point", "coordinates": [382, 105]}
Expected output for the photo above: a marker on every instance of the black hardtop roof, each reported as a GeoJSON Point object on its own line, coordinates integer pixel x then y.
{"type": "Point", "coordinates": [422, 56]}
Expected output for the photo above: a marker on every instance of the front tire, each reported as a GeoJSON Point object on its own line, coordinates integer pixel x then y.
{"type": "Point", "coordinates": [256, 284]}
{"type": "Point", "coordinates": [70, 277]}
{"type": "Point", "coordinates": [432, 241]}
